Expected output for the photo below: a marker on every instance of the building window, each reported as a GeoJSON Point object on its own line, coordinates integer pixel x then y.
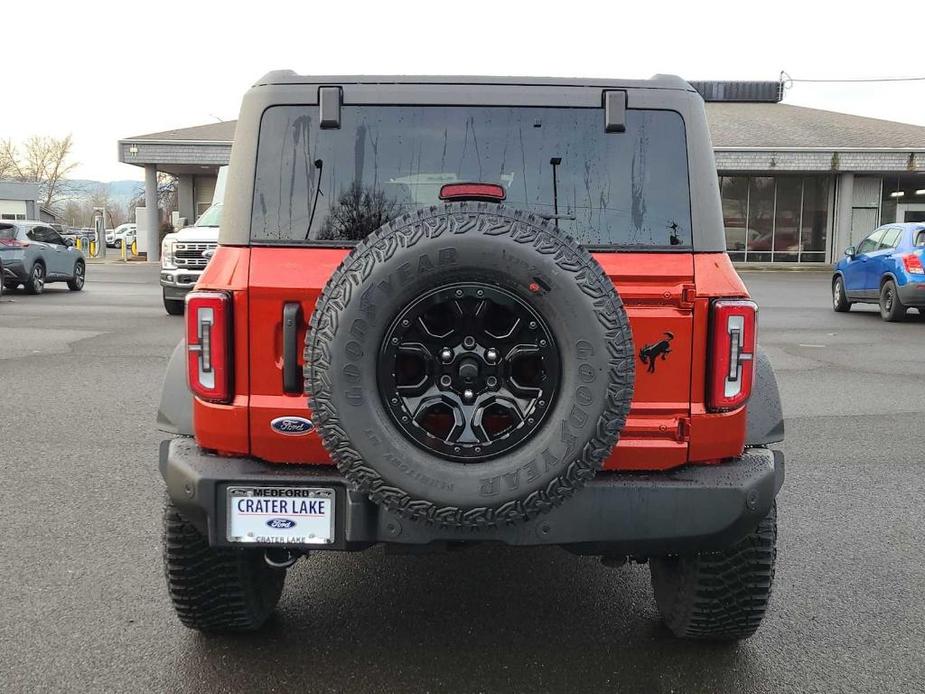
{"type": "Point", "coordinates": [735, 210]}
{"type": "Point", "coordinates": [776, 218]}
{"type": "Point", "coordinates": [760, 219]}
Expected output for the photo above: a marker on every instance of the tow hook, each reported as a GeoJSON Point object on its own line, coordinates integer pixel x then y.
{"type": "Point", "coordinates": [280, 558]}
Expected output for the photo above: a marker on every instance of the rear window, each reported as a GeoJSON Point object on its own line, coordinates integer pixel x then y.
{"type": "Point", "coordinates": [7, 231]}
{"type": "Point", "coordinates": [337, 185]}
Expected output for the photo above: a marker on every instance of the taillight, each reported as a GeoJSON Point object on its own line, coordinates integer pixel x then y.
{"type": "Point", "coordinates": [913, 264]}
{"type": "Point", "coordinates": [208, 345]}
{"type": "Point", "coordinates": [733, 339]}
{"type": "Point", "coordinates": [14, 243]}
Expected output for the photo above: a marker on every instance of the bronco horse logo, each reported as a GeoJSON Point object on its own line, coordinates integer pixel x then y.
{"type": "Point", "coordinates": [650, 353]}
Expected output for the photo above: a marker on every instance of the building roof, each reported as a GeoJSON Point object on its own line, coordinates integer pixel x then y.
{"type": "Point", "coordinates": [210, 132]}
{"type": "Point", "coordinates": [14, 190]}
{"type": "Point", "coordinates": [732, 126]}
{"type": "Point", "coordinates": [782, 126]}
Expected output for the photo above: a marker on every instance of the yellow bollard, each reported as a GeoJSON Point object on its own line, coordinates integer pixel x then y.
{"type": "Point", "coordinates": [77, 243]}
{"type": "Point", "coordinates": [122, 248]}
{"type": "Point", "coordinates": [93, 249]}
{"type": "Point", "coordinates": [134, 247]}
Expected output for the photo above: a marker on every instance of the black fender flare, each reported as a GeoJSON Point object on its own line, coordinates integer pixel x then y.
{"type": "Point", "coordinates": [175, 413]}
{"type": "Point", "coordinates": [764, 414]}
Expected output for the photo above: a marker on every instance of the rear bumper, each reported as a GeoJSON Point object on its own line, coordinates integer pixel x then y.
{"type": "Point", "coordinates": [687, 510]}
{"type": "Point", "coordinates": [14, 269]}
{"type": "Point", "coordinates": [912, 293]}
{"type": "Point", "coordinates": [177, 283]}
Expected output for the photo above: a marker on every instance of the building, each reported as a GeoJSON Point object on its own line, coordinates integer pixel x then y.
{"type": "Point", "coordinates": [799, 185]}
{"type": "Point", "coordinates": [21, 201]}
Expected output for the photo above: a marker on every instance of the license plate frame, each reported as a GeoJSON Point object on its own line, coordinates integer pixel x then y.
{"type": "Point", "coordinates": [308, 527]}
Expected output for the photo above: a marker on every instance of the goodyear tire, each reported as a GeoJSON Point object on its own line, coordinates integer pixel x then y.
{"type": "Point", "coordinates": [456, 258]}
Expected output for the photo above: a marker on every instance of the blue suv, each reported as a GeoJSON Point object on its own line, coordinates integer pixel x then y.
{"type": "Point", "coordinates": [886, 268]}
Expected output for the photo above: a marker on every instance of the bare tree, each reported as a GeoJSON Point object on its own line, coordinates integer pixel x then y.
{"type": "Point", "coordinates": [166, 194]}
{"type": "Point", "coordinates": [41, 159]}
{"type": "Point", "coordinates": [358, 212]}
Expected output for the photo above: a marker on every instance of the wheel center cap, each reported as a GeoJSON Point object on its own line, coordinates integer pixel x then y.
{"type": "Point", "coordinates": [469, 370]}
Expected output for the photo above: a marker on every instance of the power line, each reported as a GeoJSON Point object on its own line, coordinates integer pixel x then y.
{"type": "Point", "coordinates": [881, 79]}
{"type": "Point", "coordinates": [787, 80]}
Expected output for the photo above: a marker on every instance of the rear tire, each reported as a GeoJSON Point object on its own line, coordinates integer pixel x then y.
{"type": "Point", "coordinates": [216, 589]}
{"type": "Point", "coordinates": [36, 282]}
{"type": "Point", "coordinates": [174, 307]}
{"type": "Point", "coordinates": [892, 309]}
{"type": "Point", "coordinates": [722, 595]}
{"type": "Point", "coordinates": [840, 301]}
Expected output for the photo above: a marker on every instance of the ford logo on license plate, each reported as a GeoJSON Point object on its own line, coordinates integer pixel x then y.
{"type": "Point", "coordinates": [292, 426]}
{"type": "Point", "coordinates": [281, 523]}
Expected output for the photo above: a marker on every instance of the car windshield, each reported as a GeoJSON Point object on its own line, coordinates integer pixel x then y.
{"type": "Point", "coordinates": [625, 189]}
{"type": "Point", "coordinates": [211, 217]}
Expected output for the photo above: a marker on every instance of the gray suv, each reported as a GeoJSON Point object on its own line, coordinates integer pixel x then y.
{"type": "Point", "coordinates": [33, 254]}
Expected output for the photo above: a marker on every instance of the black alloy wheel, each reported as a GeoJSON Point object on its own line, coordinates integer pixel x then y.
{"type": "Point", "coordinates": [468, 371]}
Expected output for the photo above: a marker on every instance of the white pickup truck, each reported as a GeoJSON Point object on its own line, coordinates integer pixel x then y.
{"type": "Point", "coordinates": [184, 255]}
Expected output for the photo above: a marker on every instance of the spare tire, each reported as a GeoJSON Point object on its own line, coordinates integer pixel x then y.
{"type": "Point", "coordinates": [469, 365]}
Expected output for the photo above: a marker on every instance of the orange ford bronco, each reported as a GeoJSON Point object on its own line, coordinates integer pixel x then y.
{"type": "Point", "coordinates": [464, 310]}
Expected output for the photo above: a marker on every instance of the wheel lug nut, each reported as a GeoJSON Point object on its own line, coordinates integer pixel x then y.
{"type": "Point", "coordinates": [542, 343]}
{"type": "Point", "coordinates": [459, 292]}
{"type": "Point", "coordinates": [468, 342]}
{"type": "Point", "coordinates": [492, 355]}
{"type": "Point", "coordinates": [445, 381]}
{"type": "Point", "coordinates": [394, 340]}
{"type": "Point", "coordinates": [532, 325]}
{"type": "Point", "coordinates": [468, 394]}
{"type": "Point", "coordinates": [394, 401]}
{"type": "Point", "coordinates": [542, 403]}
{"type": "Point", "coordinates": [480, 292]}
{"type": "Point", "coordinates": [406, 322]}
{"type": "Point", "coordinates": [445, 355]}
{"type": "Point", "coordinates": [492, 381]}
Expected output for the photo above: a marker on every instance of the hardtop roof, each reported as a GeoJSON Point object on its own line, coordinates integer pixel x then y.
{"type": "Point", "coordinates": [656, 82]}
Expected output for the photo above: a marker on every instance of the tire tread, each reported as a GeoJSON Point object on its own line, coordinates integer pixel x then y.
{"type": "Point", "coordinates": [216, 589]}
{"type": "Point", "coordinates": [721, 595]}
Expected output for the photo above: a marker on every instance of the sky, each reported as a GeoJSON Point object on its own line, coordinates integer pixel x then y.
{"type": "Point", "coordinates": [105, 71]}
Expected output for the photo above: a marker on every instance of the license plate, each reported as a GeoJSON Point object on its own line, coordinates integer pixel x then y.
{"type": "Point", "coordinates": [284, 515]}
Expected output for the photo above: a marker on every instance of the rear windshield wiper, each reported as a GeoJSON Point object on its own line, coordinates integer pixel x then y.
{"type": "Point", "coordinates": [319, 164]}
{"type": "Point", "coordinates": [545, 215]}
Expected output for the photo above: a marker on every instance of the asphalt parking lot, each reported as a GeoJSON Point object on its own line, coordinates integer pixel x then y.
{"type": "Point", "coordinates": [84, 607]}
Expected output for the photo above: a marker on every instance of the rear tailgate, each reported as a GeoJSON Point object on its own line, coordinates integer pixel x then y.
{"type": "Point", "coordinates": [656, 288]}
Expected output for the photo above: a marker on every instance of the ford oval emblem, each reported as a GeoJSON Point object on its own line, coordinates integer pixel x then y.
{"type": "Point", "coordinates": [292, 426]}
{"type": "Point", "coordinates": [281, 523]}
